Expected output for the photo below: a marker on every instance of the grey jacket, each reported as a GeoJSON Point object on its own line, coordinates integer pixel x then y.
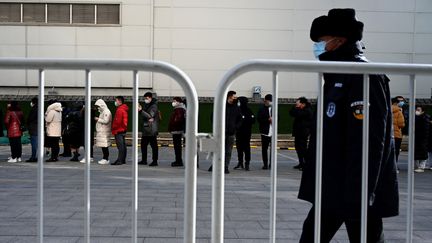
{"type": "Point", "coordinates": [150, 118]}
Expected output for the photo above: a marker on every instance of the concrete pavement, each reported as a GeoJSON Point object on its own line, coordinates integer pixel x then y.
{"type": "Point", "coordinates": [160, 216]}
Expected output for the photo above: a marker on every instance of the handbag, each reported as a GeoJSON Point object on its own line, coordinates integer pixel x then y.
{"type": "Point", "coordinates": [22, 127]}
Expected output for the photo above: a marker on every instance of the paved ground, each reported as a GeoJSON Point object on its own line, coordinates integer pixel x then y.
{"type": "Point", "coordinates": [161, 202]}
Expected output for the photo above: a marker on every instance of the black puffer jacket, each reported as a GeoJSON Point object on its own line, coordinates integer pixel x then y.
{"type": "Point", "coordinates": [342, 143]}
{"type": "Point", "coordinates": [422, 125]}
{"type": "Point", "coordinates": [302, 121]}
{"type": "Point", "coordinates": [247, 118]}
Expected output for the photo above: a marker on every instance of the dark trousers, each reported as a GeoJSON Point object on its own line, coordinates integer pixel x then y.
{"type": "Point", "coordinates": [16, 147]}
{"type": "Point", "coordinates": [177, 140]}
{"type": "Point", "coordinates": [330, 224]}
{"type": "Point", "coordinates": [243, 148]}
{"type": "Point", "coordinates": [300, 143]}
{"type": "Point", "coordinates": [121, 146]}
{"type": "Point", "coordinates": [105, 152]}
{"type": "Point", "coordinates": [145, 141]}
{"type": "Point", "coordinates": [265, 142]}
{"type": "Point", "coordinates": [34, 146]}
{"type": "Point", "coordinates": [229, 144]}
{"type": "Point", "coordinates": [398, 142]}
{"type": "Point", "coordinates": [53, 143]}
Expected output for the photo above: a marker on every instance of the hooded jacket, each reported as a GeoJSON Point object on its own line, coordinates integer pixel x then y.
{"type": "Point", "coordinates": [398, 121]}
{"type": "Point", "coordinates": [13, 121]}
{"type": "Point", "coordinates": [150, 118]}
{"type": "Point", "coordinates": [342, 143]}
{"type": "Point", "coordinates": [177, 122]}
{"type": "Point", "coordinates": [53, 119]}
{"type": "Point", "coordinates": [120, 123]}
{"type": "Point", "coordinates": [103, 125]}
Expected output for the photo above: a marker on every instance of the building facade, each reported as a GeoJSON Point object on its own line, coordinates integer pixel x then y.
{"type": "Point", "coordinates": [202, 37]}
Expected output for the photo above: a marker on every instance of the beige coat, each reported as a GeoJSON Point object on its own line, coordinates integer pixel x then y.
{"type": "Point", "coordinates": [398, 121]}
{"type": "Point", "coordinates": [53, 119]}
{"type": "Point", "coordinates": [103, 125]}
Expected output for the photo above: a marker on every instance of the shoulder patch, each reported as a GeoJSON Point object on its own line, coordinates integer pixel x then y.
{"type": "Point", "coordinates": [357, 109]}
{"type": "Point", "coordinates": [331, 109]}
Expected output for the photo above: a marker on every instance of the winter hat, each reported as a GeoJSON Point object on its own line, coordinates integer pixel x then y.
{"type": "Point", "coordinates": [339, 22]}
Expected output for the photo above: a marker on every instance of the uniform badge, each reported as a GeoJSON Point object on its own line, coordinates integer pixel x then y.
{"type": "Point", "coordinates": [357, 110]}
{"type": "Point", "coordinates": [331, 109]}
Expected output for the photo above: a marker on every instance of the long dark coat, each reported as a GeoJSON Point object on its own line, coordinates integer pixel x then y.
{"type": "Point", "coordinates": [342, 144]}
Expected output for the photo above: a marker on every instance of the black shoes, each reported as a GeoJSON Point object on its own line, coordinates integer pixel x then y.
{"type": "Point", "coordinates": [51, 160]}
{"type": "Point", "coordinates": [154, 163]}
{"type": "Point", "coordinates": [265, 167]}
{"type": "Point", "coordinates": [247, 167]}
{"type": "Point", "coordinates": [239, 166]}
{"type": "Point", "coordinates": [177, 164]}
{"type": "Point", "coordinates": [226, 169]}
{"type": "Point", "coordinates": [117, 163]}
{"type": "Point", "coordinates": [32, 160]}
{"type": "Point", "coordinates": [142, 162]}
{"type": "Point", "coordinates": [75, 157]}
{"type": "Point", "coordinates": [65, 155]}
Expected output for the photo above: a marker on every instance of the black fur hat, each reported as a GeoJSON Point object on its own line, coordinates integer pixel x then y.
{"type": "Point", "coordinates": [339, 22]}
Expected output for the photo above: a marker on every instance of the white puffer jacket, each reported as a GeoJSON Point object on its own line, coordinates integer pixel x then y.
{"type": "Point", "coordinates": [103, 125]}
{"type": "Point", "coordinates": [53, 119]}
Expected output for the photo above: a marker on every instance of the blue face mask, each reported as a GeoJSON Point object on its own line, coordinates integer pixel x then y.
{"type": "Point", "coordinates": [401, 104]}
{"type": "Point", "coordinates": [319, 48]}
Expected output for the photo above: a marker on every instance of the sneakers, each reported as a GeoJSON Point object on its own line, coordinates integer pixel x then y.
{"type": "Point", "coordinates": [51, 160]}
{"type": "Point", "coordinates": [19, 159]}
{"type": "Point", "coordinates": [103, 162]}
{"type": "Point", "coordinates": [84, 160]}
{"type": "Point", "coordinates": [11, 160]}
{"type": "Point", "coordinates": [419, 170]}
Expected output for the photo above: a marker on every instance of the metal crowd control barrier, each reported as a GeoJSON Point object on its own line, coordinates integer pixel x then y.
{"type": "Point", "coordinates": [117, 65]}
{"type": "Point", "coordinates": [276, 66]}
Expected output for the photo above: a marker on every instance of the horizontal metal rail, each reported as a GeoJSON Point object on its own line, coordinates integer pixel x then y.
{"type": "Point", "coordinates": [88, 65]}
{"type": "Point", "coordinates": [275, 66]}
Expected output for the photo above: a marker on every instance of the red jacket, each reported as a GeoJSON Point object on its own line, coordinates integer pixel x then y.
{"type": "Point", "coordinates": [120, 121]}
{"type": "Point", "coordinates": [13, 121]}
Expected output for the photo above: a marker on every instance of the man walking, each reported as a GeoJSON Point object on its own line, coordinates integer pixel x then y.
{"type": "Point", "coordinates": [119, 129]}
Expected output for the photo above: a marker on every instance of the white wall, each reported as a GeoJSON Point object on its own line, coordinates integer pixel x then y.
{"type": "Point", "coordinates": [206, 37]}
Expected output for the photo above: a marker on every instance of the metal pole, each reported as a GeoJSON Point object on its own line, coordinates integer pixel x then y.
{"type": "Point", "coordinates": [218, 187]}
{"type": "Point", "coordinates": [87, 154]}
{"type": "Point", "coordinates": [365, 159]}
{"type": "Point", "coordinates": [318, 171]}
{"type": "Point", "coordinates": [273, 196]}
{"type": "Point", "coordinates": [411, 137]}
{"type": "Point", "coordinates": [135, 157]}
{"type": "Point", "coordinates": [41, 151]}
{"type": "Point", "coordinates": [190, 194]}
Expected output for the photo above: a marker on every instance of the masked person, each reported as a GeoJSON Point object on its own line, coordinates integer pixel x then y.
{"type": "Point", "coordinates": [177, 126]}
{"type": "Point", "coordinates": [421, 139]}
{"type": "Point", "coordinates": [336, 38]}
{"type": "Point", "coordinates": [119, 129]}
{"type": "Point", "coordinates": [103, 130]}
{"type": "Point", "coordinates": [150, 116]}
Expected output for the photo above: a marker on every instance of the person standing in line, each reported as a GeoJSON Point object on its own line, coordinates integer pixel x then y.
{"type": "Point", "coordinates": [177, 126]}
{"type": "Point", "coordinates": [119, 129]}
{"type": "Point", "coordinates": [67, 152]}
{"type": "Point", "coordinates": [103, 130]}
{"type": "Point", "coordinates": [232, 123]}
{"type": "Point", "coordinates": [265, 120]}
{"type": "Point", "coordinates": [421, 139]}
{"type": "Point", "coordinates": [244, 133]}
{"type": "Point", "coordinates": [73, 130]}
{"type": "Point", "coordinates": [337, 37]}
{"type": "Point", "coordinates": [302, 114]}
{"type": "Point", "coordinates": [1, 124]}
{"type": "Point", "coordinates": [14, 120]}
{"type": "Point", "coordinates": [398, 124]}
{"type": "Point", "coordinates": [53, 119]}
{"type": "Point", "coordinates": [150, 118]}
{"type": "Point", "coordinates": [32, 124]}
{"type": "Point", "coordinates": [92, 131]}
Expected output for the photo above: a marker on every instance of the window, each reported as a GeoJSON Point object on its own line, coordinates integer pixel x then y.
{"type": "Point", "coordinates": [108, 14]}
{"type": "Point", "coordinates": [10, 13]}
{"type": "Point", "coordinates": [34, 13]}
{"type": "Point", "coordinates": [59, 13]}
{"type": "Point", "coordinates": [83, 13]}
